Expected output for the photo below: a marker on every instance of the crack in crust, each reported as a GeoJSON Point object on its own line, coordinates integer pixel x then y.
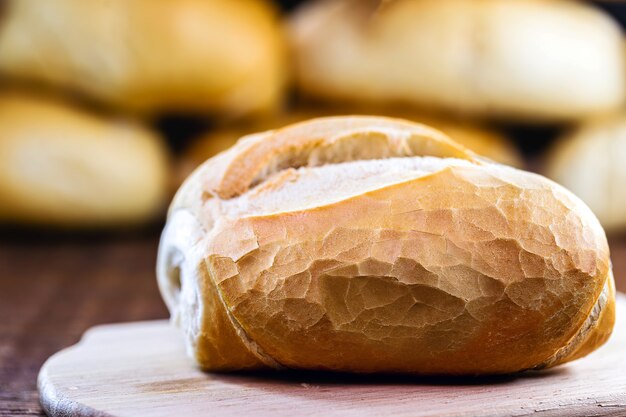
{"type": "Point", "coordinates": [320, 142]}
{"type": "Point", "coordinates": [252, 346]}
{"type": "Point", "coordinates": [593, 321]}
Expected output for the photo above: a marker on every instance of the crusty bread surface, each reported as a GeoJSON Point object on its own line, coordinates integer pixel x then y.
{"type": "Point", "coordinates": [481, 139]}
{"type": "Point", "coordinates": [368, 244]}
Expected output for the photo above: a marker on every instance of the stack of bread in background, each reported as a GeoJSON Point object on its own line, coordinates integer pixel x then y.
{"type": "Point", "coordinates": [83, 85]}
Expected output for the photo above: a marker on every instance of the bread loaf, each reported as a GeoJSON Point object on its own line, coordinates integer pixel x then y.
{"type": "Point", "coordinates": [149, 56]}
{"type": "Point", "coordinates": [367, 244]}
{"type": "Point", "coordinates": [590, 162]}
{"type": "Point", "coordinates": [526, 60]}
{"type": "Point", "coordinates": [61, 166]}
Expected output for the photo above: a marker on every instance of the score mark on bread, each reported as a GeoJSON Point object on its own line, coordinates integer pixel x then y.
{"type": "Point", "coordinates": [367, 244]}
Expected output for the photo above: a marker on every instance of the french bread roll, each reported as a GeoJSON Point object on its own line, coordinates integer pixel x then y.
{"type": "Point", "coordinates": [64, 167]}
{"type": "Point", "coordinates": [150, 56]}
{"type": "Point", "coordinates": [590, 162]}
{"type": "Point", "coordinates": [524, 60]}
{"type": "Point", "coordinates": [367, 244]}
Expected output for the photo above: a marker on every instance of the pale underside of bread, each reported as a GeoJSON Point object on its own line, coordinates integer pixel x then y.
{"type": "Point", "coordinates": [425, 264]}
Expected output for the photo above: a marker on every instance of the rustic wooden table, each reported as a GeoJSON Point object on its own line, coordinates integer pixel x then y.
{"type": "Point", "coordinates": [53, 288]}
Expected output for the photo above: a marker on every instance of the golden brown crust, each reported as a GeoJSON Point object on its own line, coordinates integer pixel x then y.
{"type": "Point", "coordinates": [481, 139]}
{"type": "Point", "coordinates": [601, 330]}
{"type": "Point", "coordinates": [424, 275]}
{"type": "Point", "coordinates": [222, 349]}
{"type": "Point", "coordinates": [466, 267]}
{"type": "Point", "coordinates": [317, 143]}
{"type": "Point", "coordinates": [594, 332]}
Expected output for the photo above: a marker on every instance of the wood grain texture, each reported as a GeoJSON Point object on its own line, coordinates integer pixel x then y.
{"type": "Point", "coordinates": [53, 288]}
{"type": "Point", "coordinates": [140, 369]}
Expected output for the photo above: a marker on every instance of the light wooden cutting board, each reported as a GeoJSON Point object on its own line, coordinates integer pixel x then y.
{"type": "Point", "coordinates": [140, 369]}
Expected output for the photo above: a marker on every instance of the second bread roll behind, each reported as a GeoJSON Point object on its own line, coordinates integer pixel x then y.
{"type": "Point", "coordinates": [368, 244]}
{"type": "Point", "coordinates": [590, 162]}
{"type": "Point", "coordinates": [63, 166]}
{"type": "Point", "coordinates": [528, 60]}
{"type": "Point", "coordinates": [216, 56]}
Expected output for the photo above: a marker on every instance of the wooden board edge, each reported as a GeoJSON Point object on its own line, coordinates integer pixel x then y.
{"type": "Point", "coordinates": [56, 404]}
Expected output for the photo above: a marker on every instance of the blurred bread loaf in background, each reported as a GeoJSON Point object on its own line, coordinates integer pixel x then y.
{"type": "Point", "coordinates": [525, 60]}
{"type": "Point", "coordinates": [591, 162]}
{"type": "Point", "coordinates": [150, 56]}
{"type": "Point", "coordinates": [63, 166]}
{"type": "Point", "coordinates": [474, 69]}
